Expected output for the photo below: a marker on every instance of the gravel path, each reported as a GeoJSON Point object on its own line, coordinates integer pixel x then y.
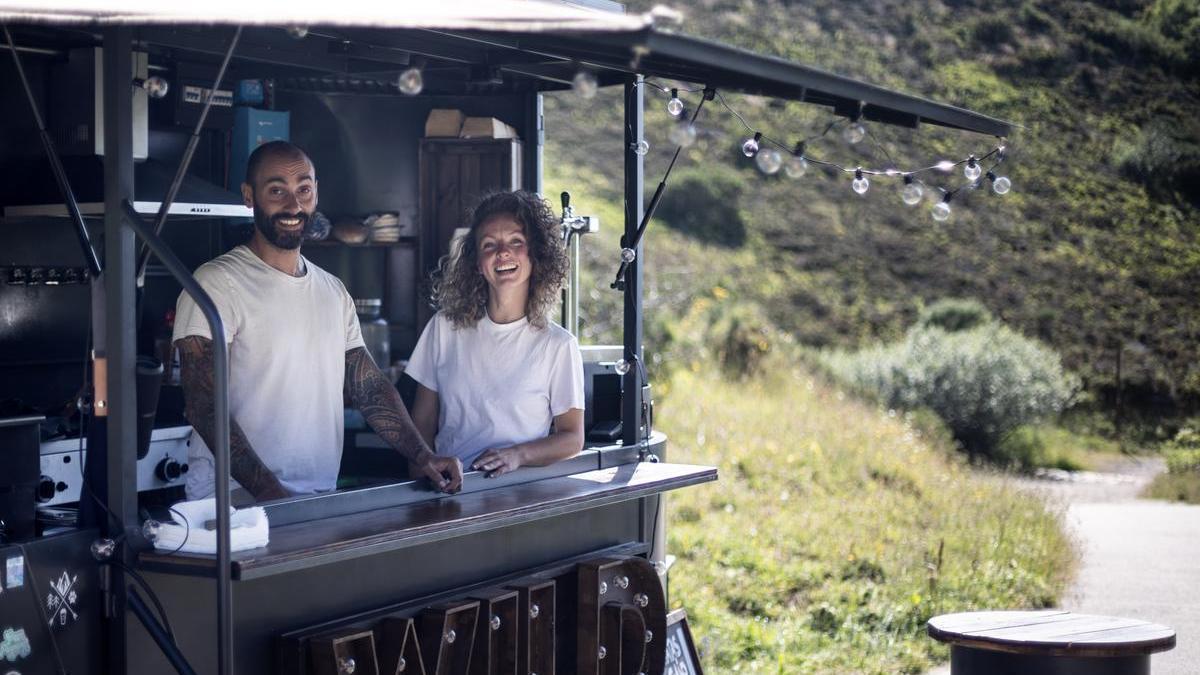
{"type": "Point", "coordinates": [1140, 558]}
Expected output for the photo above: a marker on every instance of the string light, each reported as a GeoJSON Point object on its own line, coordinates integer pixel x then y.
{"type": "Point", "coordinates": [750, 147]}
{"type": "Point", "coordinates": [912, 192]}
{"type": "Point", "coordinates": [411, 81]}
{"type": "Point", "coordinates": [769, 161]}
{"type": "Point", "coordinates": [682, 133]}
{"type": "Point", "coordinates": [941, 210]}
{"type": "Point", "coordinates": [854, 132]}
{"type": "Point", "coordinates": [641, 148]}
{"type": "Point", "coordinates": [297, 32]}
{"type": "Point", "coordinates": [585, 84]}
{"type": "Point", "coordinates": [675, 106]}
{"type": "Point", "coordinates": [860, 184]}
{"type": "Point", "coordinates": [797, 166]}
{"type": "Point", "coordinates": [1000, 184]}
{"type": "Point", "coordinates": [972, 169]}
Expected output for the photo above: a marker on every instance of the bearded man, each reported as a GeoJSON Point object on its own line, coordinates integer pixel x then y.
{"type": "Point", "coordinates": [294, 345]}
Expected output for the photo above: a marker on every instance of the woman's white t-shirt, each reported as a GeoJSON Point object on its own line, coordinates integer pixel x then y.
{"type": "Point", "coordinates": [497, 384]}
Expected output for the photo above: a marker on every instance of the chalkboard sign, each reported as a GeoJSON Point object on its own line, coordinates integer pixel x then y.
{"type": "Point", "coordinates": [682, 658]}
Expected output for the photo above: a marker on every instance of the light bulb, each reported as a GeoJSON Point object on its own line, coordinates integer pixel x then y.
{"type": "Point", "coordinates": [150, 529]}
{"type": "Point", "coordinates": [675, 106]}
{"type": "Point", "coordinates": [641, 148]}
{"type": "Point", "coordinates": [972, 170]}
{"type": "Point", "coordinates": [585, 84]}
{"type": "Point", "coordinates": [941, 211]}
{"type": "Point", "coordinates": [297, 32]}
{"type": "Point", "coordinates": [1001, 185]}
{"type": "Point", "coordinates": [796, 167]}
{"type": "Point", "coordinates": [854, 133]}
{"type": "Point", "coordinates": [750, 147]}
{"type": "Point", "coordinates": [628, 255]}
{"type": "Point", "coordinates": [622, 367]}
{"type": "Point", "coordinates": [912, 192]}
{"type": "Point", "coordinates": [411, 81]}
{"type": "Point", "coordinates": [769, 161]}
{"type": "Point", "coordinates": [683, 133]}
{"type": "Point", "coordinates": [156, 87]}
{"type": "Point", "coordinates": [860, 182]}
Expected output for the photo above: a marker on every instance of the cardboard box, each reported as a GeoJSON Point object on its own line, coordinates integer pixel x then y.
{"type": "Point", "coordinates": [443, 123]}
{"type": "Point", "coordinates": [486, 127]}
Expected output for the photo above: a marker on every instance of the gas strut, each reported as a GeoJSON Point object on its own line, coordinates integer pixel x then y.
{"type": "Point", "coordinates": [629, 248]}
{"type": "Point", "coordinates": [60, 176]}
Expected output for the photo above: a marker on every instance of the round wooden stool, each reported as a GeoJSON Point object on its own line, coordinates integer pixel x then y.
{"type": "Point", "coordinates": [1050, 642]}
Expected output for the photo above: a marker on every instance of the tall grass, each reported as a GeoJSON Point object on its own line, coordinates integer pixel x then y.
{"type": "Point", "coordinates": [837, 529]}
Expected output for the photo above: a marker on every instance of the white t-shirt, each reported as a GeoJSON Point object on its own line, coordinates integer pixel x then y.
{"type": "Point", "coordinates": [288, 337]}
{"type": "Point", "coordinates": [497, 384]}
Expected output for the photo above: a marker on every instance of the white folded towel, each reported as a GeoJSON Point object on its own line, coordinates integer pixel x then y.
{"type": "Point", "coordinates": [249, 528]}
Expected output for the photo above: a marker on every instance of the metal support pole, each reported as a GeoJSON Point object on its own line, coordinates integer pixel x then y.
{"type": "Point", "coordinates": [534, 135]}
{"type": "Point", "coordinates": [119, 259]}
{"type": "Point", "coordinates": [220, 425]}
{"type": "Point", "coordinates": [631, 396]}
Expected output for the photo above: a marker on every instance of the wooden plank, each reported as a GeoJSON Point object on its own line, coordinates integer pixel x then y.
{"type": "Point", "coordinates": [1058, 631]}
{"type": "Point", "coordinates": [953, 625]}
{"type": "Point", "coordinates": [1053, 634]}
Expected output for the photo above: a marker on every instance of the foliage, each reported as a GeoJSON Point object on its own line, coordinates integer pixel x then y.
{"type": "Point", "coordinates": [953, 315]}
{"type": "Point", "coordinates": [1096, 248]}
{"type": "Point", "coordinates": [704, 204]}
{"type": "Point", "coordinates": [984, 382]}
{"type": "Point", "coordinates": [837, 528]}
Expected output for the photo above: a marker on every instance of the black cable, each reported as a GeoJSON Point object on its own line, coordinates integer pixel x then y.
{"type": "Point", "coordinates": [141, 581]}
{"type": "Point", "coordinates": [187, 530]}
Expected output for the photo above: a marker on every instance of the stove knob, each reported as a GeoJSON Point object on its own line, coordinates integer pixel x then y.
{"type": "Point", "coordinates": [45, 490]}
{"type": "Point", "coordinates": [168, 470]}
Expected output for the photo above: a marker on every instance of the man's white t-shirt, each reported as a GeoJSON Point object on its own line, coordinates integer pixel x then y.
{"type": "Point", "coordinates": [497, 384]}
{"type": "Point", "coordinates": [288, 337]}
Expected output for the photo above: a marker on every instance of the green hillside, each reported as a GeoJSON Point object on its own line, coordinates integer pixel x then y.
{"type": "Point", "coordinates": [1095, 250]}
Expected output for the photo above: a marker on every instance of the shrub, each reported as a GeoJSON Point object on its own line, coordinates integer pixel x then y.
{"type": "Point", "coordinates": [1183, 452]}
{"type": "Point", "coordinates": [984, 382]}
{"type": "Point", "coordinates": [953, 315]}
{"type": "Point", "coordinates": [704, 204]}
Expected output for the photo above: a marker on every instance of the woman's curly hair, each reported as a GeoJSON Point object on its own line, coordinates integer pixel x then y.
{"type": "Point", "coordinates": [459, 289]}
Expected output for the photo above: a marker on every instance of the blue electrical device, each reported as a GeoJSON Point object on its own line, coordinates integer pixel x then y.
{"type": "Point", "coordinates": [251, 128]}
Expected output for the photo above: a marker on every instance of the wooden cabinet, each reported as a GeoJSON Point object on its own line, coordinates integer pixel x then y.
{"type": "Point", "coordinates": [454, 174]}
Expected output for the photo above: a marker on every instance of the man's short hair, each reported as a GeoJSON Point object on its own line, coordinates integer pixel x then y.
{"type": "Point", "coordinates": [268, 150]}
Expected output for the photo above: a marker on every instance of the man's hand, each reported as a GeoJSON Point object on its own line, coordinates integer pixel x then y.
{"type": "Point", "coordinates": [444, 472]}
{"type": "Point", "coordinates": [499, 461]}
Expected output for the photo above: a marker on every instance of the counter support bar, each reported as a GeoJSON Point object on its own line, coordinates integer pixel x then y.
{"type": "Point", "coordinates": [221, 425]}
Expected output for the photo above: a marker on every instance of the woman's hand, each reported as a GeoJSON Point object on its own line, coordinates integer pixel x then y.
{"type": "Point", "coordinates": [499, 461]}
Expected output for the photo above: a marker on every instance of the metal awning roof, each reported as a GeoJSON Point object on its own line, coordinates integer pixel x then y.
{"type": "Point", "coordinates": [535, 43]}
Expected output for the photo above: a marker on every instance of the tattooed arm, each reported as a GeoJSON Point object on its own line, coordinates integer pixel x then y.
{"type": "Point", "coordinates": [196, 373]}
{"type": "Point", "coordinates": [382, 407]}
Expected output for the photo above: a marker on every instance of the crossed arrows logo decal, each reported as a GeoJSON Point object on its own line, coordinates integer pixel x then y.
{"type": "Point", "coordinates": [60, 601]}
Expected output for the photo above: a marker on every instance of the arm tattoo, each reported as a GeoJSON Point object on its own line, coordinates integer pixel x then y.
{"type": "Point", "coordinates": [196, 375]}
{"type": "Point", "coordinates": [382, 407]}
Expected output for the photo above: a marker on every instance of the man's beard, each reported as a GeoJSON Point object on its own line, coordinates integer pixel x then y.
{"type": "Point", "coordinates": [275, 235]}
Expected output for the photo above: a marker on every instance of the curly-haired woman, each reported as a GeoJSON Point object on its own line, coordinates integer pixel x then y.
{"type": "Point", "coordinates": [501, 386]}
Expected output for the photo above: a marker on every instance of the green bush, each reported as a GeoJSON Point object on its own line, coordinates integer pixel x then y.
{"type": "Point", "coordinates": [953, 315]}
{"type": "Point", "coordinates": [1183, 452]}
{"type": "Point", "coordinates": [984, 383]}
{"type": "Point", "coordinates": [703, 203]}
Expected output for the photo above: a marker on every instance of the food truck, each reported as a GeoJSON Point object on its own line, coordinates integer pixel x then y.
{"type": "Point", "coordinates": [124, 132]}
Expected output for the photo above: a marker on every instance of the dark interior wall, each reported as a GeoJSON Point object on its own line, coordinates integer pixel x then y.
{"type": "Point", "coordinates": [365, 149]}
